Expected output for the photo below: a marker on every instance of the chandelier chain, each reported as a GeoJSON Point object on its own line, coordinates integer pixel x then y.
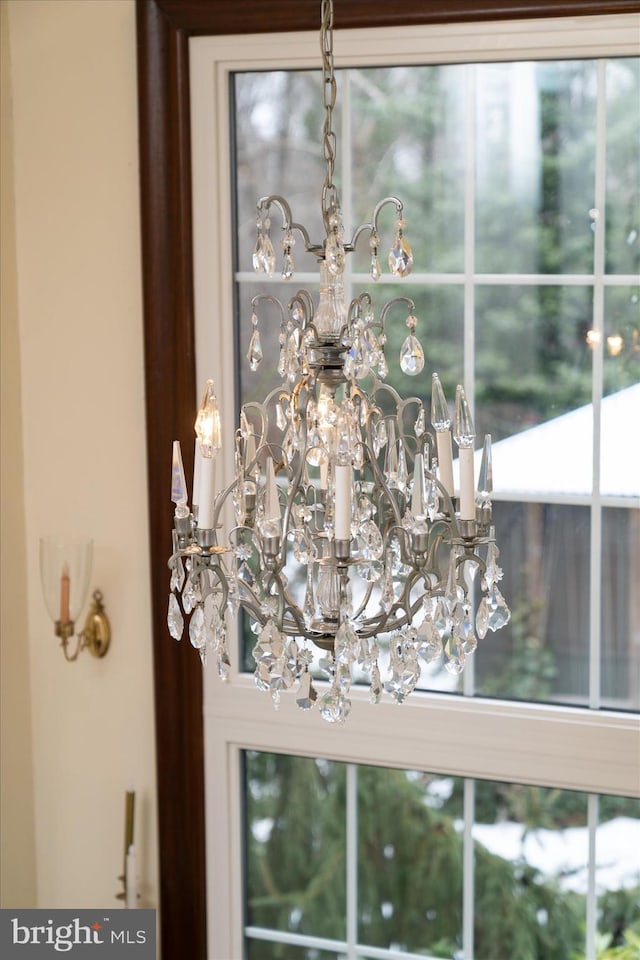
{"type": "Point", "coordinates": [329, 98]}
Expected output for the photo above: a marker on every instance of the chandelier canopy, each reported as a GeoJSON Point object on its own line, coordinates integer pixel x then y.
{"type": "Point", "coordinates": [349, 543]}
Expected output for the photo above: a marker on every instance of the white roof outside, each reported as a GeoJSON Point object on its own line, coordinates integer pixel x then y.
{"type": "Point", "coordinates": [555, 457]}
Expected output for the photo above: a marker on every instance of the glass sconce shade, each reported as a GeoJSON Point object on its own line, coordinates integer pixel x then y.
{"type": "Point", "coordinates": [65, 571]}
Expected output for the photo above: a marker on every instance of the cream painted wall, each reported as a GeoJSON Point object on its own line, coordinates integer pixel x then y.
{"type": "Point", "coordinates": [17, 850]}
{"type": "Point", "coordinates": [73, 75]}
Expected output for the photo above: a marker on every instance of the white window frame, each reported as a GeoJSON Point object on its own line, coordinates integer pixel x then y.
{"type": "Point", "coordinates": [564, 747]}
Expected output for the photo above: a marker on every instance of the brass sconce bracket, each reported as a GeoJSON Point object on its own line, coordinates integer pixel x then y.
{"type": "Point", "coordinates": [95, 635]}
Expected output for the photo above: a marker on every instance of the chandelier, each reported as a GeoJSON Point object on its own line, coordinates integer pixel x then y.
{"type": "Point", "coordinates": [351, 554]}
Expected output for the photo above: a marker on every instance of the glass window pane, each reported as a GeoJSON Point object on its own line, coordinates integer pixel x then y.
{"type": "Point", "coordinates": [409, 862]}
{"type": "Point", "coordinates": [618, 874]}
{"type": "Point", "coordinates": [270, 950]}
{"type": "Point", "coordinates": [406, 121]}
{"type": "Point", "coordinates": [620, 682]}
{"type": "Point", "coordinates": [535, 126]}
{"type": "Point", "coordinates": [621, 349]}
{"type": "Point", "coordinates": [542, 654]}
{"type": "Point", "coordinates": [623, 166]}
{"type": "Point", "coordinates": [531, 856]}
{"type": "Point", "coordinates": [533, 365]}
{"type": "Point", "coordinates": [295, 844]}
{"type": "Point", "coordinates": [278, 121]}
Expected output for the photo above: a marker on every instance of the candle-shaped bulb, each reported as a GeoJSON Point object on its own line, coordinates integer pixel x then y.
{"type": "Point", "coordinates": [208, 422]}
{"type": "Point", "coordinates": [441, 420]}
{"type": "Point", "coordinates": [178, 482]}
{"type": "Point", "coordinates": [485, 477]}
{"type": "Point", "coordinates": [249, 442]}
{"type": "Point", "coordinates": [464, 432]}
{"type": "Point", "coordinates": [440, 416]}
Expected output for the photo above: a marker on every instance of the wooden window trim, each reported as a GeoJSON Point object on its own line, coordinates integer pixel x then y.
{"type": "Point", "coordinates": [163, 31]}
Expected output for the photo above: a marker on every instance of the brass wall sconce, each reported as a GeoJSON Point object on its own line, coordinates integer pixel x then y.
{"type": "Point", "coordinates": [65, 570]}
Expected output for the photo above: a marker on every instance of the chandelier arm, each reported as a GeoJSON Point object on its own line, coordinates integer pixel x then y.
{"type": "Point", "coordinates": [381, 386]}
{"type": "Point", "coordinates": [302, 297]}
{"type": "Point", "coordinates": [218, 571]}
{"type": "Point", "coordinates": [261, 410]}
{"type": "Point", "coordinates": [292, 609]}
{"type": "Point", "coordinates": [355, 308]}
{"type": "Point", "coordinates": [252, 605]}
{"type": "Point", "coordinates": [402, 406]}
{"type": "Point", "coordinates": [402, 536]}
{"type": "Point", "coordinates": [391, 303]}
{"type": "Point", "coordinates": [372, 225]}
{"type": "Point", "coordinates": [363, 605]}
{"type": "Point", "coordinates": [274, 578]}
{"type": "Point", "coordinates": [271, 299]}
{"type": "Point", "coordinates": [288, 223]}
{"type": "Point", "coordinates": [379, 475]}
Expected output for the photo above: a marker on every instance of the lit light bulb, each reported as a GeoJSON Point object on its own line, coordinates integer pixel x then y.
{"type": "Point", "coordinates": [208, 423]}
{"type": "Point", "coordinates": [615, 343]}
{"type": "Point", "coordinates": [593, 337]}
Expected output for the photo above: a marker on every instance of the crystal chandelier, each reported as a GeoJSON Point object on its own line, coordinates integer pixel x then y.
{"type": "Point", "coordinates": [348, 539]}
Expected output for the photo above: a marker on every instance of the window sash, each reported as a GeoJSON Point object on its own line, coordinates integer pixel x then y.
{"type": "Point", "coordinates": [539, 744]}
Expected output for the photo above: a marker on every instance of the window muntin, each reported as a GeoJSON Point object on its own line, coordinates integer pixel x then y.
{"type": "Point", "coordinates": [379, 859]}
{"type": "Point", "coordinates": [509, 245]}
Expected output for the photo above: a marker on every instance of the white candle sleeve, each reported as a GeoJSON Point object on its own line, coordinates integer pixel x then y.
{"type": "Point", "coordinates": [272, 500]}
{"type": "Point", "coordinates": [130, 879]}
{"type": "Point", "coordinates": [206, 493]}
{"type": "Point", "coordinates": [197, 466]}
{"type": "Point", "coordinates": [445, 459]}
{"type": "Point", "coordinates": [343, 502]}
{"type": "Point", "coordinates": [467, 484]}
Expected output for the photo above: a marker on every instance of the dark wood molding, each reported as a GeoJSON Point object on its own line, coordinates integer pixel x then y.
{"type": "Point", "coordinates": [255, 16]}
{"type": "Point", "coordinates": [163, 29]}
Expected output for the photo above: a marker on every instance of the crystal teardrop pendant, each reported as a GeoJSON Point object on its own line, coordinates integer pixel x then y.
{"type": "Point", "coordinates": [411, 356]}
{"type": "Point", "coordinates": [256, 260]}
{"type": "Point", "coordinates": [268, 256]}
{"type": "Point", "coordinates": [400, 255]}
{"type": "Point", "coordinates": [254, 353]}
{"type": "Point", "coordinates": [175, 622]}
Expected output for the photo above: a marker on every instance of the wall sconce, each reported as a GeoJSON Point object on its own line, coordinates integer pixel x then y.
{"type": "Point", "coordinates": [65, 570]}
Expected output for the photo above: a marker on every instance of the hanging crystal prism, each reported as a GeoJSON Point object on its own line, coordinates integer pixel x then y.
{"type": "Point", "coordinates": [400, 255]}
{"type": "Point", "coordinates": [177, 575]}
{"type": "Point", "coordinates": [309, 606]}
{"type": "Point", "coordinates": [375, 693]}
{"type": "Point", "coordinates": [287, 260]}
{"type": "Point", "coordinates": [197, 633]}
{"type": "Point", "coordinates": [175, 621]}
{"type": "Point", "coordinates": [411, 352]}
{"type": "Point", "coordinates": [374, 242]}
{"type": "Point", "coordinates": [254, 353]}
{"type": "Point", "coordinates": [493, 613]}
{"type": "Point", "coordinates": [307, 694]}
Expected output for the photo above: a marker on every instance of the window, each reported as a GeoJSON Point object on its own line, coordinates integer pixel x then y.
{"type": "Point", "coordinates": [510, 315]}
